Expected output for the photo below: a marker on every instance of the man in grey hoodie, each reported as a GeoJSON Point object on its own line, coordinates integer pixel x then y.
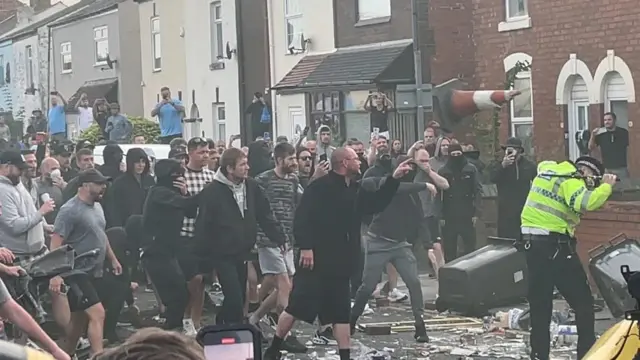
{"type": "Point", "coordinates": [21, 223]}
{"type": "Point", "coordinates": [324, 148]}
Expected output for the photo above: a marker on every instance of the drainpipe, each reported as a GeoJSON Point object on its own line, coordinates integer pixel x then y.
{"type": "Point", "coordinates": [272, 69]}
{"type": "Point", "coordinates": [240, 60]}
{"type": "Point", "coordinates": [49, 50]}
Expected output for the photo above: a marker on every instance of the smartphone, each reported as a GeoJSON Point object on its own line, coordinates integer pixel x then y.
{"type": "Point", "coordinates": [266, 136]}
{"type": "Point", "coordinates": [231, 342]}
{"type": "Point", "coordinates": [601, 130]}
{"type": "Point", "coordinates": [323, 157]}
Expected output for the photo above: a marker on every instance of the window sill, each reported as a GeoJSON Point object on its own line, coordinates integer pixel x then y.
{"type": "Point", "coordinates": [515, 24]}
{"type": "Point", "coordinates": [218, 65]}
{"type": "Point", "coordinates": [373, 21]}
{"type": "Point", "coordinates": [157, 70]}
{"type": "Point", "coordinates": [64, 72]}
{"type": "Point", "coordinates": [102, 63]}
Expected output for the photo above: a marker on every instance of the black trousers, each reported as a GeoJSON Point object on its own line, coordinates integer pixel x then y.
{"type": "Point", "coordinates": [555, 264]}
{"type": "Point", "coordinates": [169, 281]}
{"type": "Point", "coordinates": [112, 290]}
{"type": "Point", "coordinates": [232, 275]}
{"type": "Point", "coordinates": [356, 277]}
{"type": "Point", "coordinates": [454, 227]}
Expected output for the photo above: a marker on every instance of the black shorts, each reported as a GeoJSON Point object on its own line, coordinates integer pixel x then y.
{"type": "Point", "coordinates": [84, 292]}
{"type": "Point", "coordinates": [318, 295]}
{"type": "Point", "coordinates": [190, 263]}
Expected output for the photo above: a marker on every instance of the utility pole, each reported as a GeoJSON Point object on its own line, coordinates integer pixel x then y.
{"type": "Point", "coordinates": [417, 63]}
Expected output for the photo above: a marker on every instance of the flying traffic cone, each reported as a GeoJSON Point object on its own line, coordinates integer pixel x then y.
{"type": "Point", "coordinates": [455, 105]}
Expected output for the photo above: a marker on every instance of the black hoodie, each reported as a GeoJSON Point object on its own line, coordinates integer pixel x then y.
{"type": "Point", "coordinates": [259, 158]}
{"type": "Point", "coordinates": [128, 192]}
{"type": "Point", "coordinates": [165, 209]}
{"type": "Point", "coordinates": [112, 155]}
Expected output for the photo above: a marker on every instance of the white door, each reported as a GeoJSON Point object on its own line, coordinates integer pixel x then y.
{"type": "Point", "coordinates": [297, 121]}
{"type": "Point", "coordinates": [578, 122]}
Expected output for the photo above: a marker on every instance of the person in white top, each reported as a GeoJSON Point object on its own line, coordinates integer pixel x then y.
{"type": "Point", "coordinates": [85, 113]}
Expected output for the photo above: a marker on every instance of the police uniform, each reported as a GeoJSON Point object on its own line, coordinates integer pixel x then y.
{"type": "Point", "coordinates": [549, 220]}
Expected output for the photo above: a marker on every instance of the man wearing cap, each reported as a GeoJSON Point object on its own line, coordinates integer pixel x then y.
{"type": "Point", "coordinates": [81, 224]}
{"type": "Point", "coordinates": [512, 176]}
{"type": "Point", "coordinates": [62, 152]}
{"type": "Point", "coordinates": [21, 223]}
{"type": "Point", "coordinates": [179, 155]}
{"type": "Point", "coordinates": [560, 194]}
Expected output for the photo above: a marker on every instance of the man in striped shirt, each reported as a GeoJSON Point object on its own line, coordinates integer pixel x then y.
{"type": "Point", "coordinates": [281, 187]}
{"type": "Point", "coordinates": [197, 175]}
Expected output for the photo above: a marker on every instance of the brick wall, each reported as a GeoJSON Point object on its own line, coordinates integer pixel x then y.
{"type": "Point", "coordinates": [583, 27]}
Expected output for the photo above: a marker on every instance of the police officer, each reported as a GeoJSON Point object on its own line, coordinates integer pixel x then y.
{"type": "Point", "coordinates": [559, 195]}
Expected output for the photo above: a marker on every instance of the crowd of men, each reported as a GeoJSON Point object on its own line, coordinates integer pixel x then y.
{"type": "Point", "coordinates": [315, 225]}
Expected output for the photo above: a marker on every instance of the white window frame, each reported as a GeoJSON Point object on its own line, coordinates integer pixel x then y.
{"type": "Point", "coordinates": [292, 16]}
{"type": "Point", "coordinates": [30, 74]}
{"type": "Point", "coordinates": [512, 23]}
{"type": "Point", "coordinates": [219, 118]}
{"type": "Point", "coordinates": [216, 31]}
{"type": "Point", "coordinates": [65, 54]}
{"type": "Point", "coordinates": [521, 120]}
{"type": "Point", "coordinates": [379, 9]}
{"type": "Point", "coordinates": [574, 151]}
{"type": "Point", "coordinates": [100, 35]}
{"type": "Point", "coordinates": [156, 44]}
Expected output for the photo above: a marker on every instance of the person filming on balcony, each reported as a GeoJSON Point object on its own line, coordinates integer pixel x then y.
{"type": "Point", "coordinates": [613, 142]}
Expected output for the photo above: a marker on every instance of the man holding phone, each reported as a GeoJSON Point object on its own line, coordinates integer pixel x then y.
{"type": "Point", "coordinates": [57, 117]}
{"type": "Point", "coordinates": [170, 113]}
{"type": "Point", "coordinates": [613, 142]}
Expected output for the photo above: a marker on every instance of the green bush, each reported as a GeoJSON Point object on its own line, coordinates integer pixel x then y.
{"type": "Point", "coordinates": [141, 126]}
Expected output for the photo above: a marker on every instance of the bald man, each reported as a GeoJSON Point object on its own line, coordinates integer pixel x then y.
{"type": "Point", "coordinates": [327, 233]}
{"type": "Point", "coordinates": [52, 185]}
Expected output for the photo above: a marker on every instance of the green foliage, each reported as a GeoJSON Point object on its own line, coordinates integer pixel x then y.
{"type": "Point", "coordinates": [141, 126]}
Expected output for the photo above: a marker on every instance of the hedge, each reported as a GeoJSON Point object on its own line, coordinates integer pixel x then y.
{"type": "Point", "coordinates": [141, 126]}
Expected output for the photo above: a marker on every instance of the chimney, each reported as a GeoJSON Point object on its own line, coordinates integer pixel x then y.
{"type": "Point", "coordinates": [24, 14]}
{"type": "Point", "coordinates": [39, 5]}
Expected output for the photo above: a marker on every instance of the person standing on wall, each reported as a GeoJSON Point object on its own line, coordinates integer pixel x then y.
{"type": "Point", "coordinates": [170, 112]}
{"type": "Point", "coordinates": [57, 117]}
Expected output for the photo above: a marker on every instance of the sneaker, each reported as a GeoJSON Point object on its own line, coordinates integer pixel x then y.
{"type": "Point", "coordinates": [83, 343]}
{"type": "Point", "coordinates": [189, 328]}
{"type": "Point", "coordinates": [396, 295]}
{"type": "Point", "coordinates": [367, 309]}
{"type": "Point", "coordinates": [292, 345]}
{"type": "Point", "coordinates": [324, 338]}
{"type": "Point", "coordinates": [216, 288]}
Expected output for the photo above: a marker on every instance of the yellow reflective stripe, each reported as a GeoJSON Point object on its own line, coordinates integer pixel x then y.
{"type": "Point", "coordinates": [548, 194]}
{"type": "Point", "coordinates": [548, 209]}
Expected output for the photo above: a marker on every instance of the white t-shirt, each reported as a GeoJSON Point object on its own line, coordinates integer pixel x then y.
{"type": "Point", "coordinates": [85, 118]}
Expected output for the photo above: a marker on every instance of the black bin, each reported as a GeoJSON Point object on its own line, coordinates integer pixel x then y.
{"type": "Point", "coordinates": [492, 276]}
{"type": "Point", "coordinates": [604, 265]}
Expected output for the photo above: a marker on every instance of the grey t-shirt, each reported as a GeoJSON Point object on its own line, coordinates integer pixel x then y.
{"type": "Point", "coordinates": [82, 226]}
{"type": "Point", "coordinates": [429, 202]}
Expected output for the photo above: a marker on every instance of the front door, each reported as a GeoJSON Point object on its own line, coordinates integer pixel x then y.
{"type": "Point", "coordinates": [578, 122]}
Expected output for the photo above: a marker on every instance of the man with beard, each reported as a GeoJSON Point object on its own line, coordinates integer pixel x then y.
{"type": "Point", "coordinates": [305, 163]}
{"type": "Point", "coordinates": [21, 224]}
{"type": "Point", "coordinates": [327, 236]}
{"type": "Point", "coordinates": [230, 210]}
{"type": "Point", "coordinates": [389, 239]}
{"type": "Point", "coordinates": [460, 203]}
{"type": "Point", "coordinates": [324, 148]}
{"type": "Point", "coordinates": [81, 224]}
{"type": "Point", "coordinates": [164, 210]}
{"type": "Point", "coordinates": [281, 187]}
{"type": "Point", "coordinates": [29, 174]}
{"type": "Point", "coordinates": [50, 182]}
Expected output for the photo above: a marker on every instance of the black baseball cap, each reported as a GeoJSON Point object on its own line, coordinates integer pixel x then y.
{"type": "Point", "coordinates": [84, 144]}
{"type": "Point", "coordinates": [62, 149]}
{"type": "Point", "coordinates": [10, 157]}
{"type": "Point", "coordinates": [92, 176]}
{"type": "Point", "coordinates": [177, 154]}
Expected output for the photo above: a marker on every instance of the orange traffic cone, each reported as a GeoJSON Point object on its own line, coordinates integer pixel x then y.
{"type": "Point", "coordinates": [455, 105]}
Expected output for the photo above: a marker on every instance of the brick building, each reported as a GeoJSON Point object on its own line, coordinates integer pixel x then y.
{"type": "Point", "coordinates": [583, 63]}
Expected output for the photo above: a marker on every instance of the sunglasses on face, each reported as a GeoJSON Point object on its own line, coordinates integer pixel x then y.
{"type": "Point", "coordinates": [305, 158]}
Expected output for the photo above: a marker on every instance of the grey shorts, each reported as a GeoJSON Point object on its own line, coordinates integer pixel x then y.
{"type": "Point", "coordinates": [274, 262]}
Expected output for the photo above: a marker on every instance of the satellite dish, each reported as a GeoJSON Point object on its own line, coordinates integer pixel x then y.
{"type": "Point", "coordinates": [110, 63]}
{"type": "Point", "coordinates": [229, 51]}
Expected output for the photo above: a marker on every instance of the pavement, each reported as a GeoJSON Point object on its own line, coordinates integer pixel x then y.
{"type": "Point", "coordinates": [452, 337]}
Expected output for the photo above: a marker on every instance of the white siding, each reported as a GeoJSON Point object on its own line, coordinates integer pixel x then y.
{"type": "Point", "coordinates": [317, 16]}
{"type": "Point", "coordinates": [616, 87]}
{"type": "Point", "coordinates": [580, 90]}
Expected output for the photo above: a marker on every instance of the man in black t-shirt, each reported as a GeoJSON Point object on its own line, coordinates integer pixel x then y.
{"type": "Point", "coordinates": [613, 142]}
{"type": "Point", "coordinates": [378, 105]}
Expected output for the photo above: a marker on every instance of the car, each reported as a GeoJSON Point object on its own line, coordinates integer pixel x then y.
{"type": "Point", "coordinates": [158, 151]}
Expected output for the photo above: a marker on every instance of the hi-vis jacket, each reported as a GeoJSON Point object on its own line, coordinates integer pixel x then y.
{"type": "Point", "coordinates": [555, 204]}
